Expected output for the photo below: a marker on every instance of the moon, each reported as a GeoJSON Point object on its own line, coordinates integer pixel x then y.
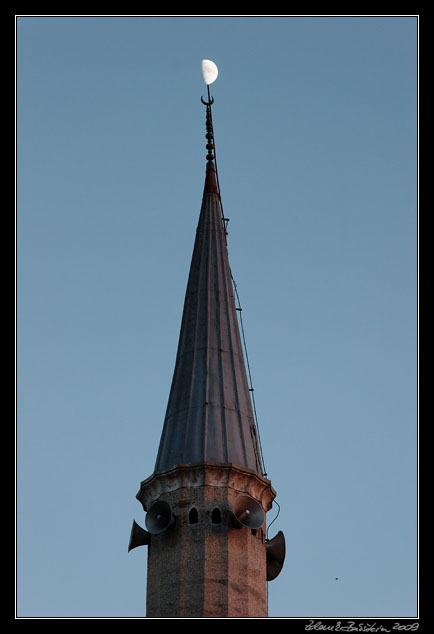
{"type": "Point", "coordinates": [209, 71]}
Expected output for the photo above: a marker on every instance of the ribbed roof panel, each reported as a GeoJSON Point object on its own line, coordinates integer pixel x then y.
{"type": "Point", "coordinates": [209, 414]}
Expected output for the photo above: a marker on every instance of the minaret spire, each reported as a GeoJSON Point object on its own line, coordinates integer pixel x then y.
{"type": "Point", "coordinates": [209, 414]}
{"type": "Point", "coordinates": [207, 498]}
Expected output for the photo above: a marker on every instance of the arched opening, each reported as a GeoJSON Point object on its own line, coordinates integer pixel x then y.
{"type": "Point", "coordinates": [193, 516]}
{"type": "Point", "coordinates": [216, 516]}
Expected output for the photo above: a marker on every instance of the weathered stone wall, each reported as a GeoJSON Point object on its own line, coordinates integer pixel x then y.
{"type": "Point", "coordinates": [203, 566]}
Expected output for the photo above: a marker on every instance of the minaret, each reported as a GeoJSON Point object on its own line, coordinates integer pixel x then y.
{"type": "Point", "coordinates": [206, 500]}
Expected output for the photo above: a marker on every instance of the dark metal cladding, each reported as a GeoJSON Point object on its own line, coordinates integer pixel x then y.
{"type": "Point", "coordinates": [209, 414]}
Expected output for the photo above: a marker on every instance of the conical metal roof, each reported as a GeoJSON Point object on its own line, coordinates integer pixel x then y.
{"type": "Point", "coordinates": [209, 415]}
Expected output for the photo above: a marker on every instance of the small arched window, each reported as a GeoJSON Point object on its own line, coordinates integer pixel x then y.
{"type": "Point", "coordinates": [193, 516]}
{"type": "Point", "coordinates": [216, 516]}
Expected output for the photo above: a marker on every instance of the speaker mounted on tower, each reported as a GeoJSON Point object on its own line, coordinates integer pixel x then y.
{"type": "Point", "coordinates": [275, 549]}
{"type": "Point", "coordinates": [159, 517]}
{"type": "Point", "coordinates": [138, 537]}
{"type": "Point", "coordinates": [247, 512]}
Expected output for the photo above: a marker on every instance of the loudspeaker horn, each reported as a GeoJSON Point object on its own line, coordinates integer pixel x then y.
{"type": "Point", "coordinates": [138, 537]}
{"type": "Point", "coordinates": [276, 550]}
{"type": "Point", "coordinates": [159, 517]}
{"type": "Point", "coordinates": [247, 512]}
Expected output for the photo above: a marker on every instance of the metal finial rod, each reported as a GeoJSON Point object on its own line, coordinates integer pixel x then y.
{"type": "Point", "coordinates": [210, 72]}
{"type": "Point", "coordinates": [209, 135]}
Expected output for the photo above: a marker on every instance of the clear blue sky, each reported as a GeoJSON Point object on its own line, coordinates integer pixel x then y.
{"type": "Point", "coordinates": [315, 121]}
